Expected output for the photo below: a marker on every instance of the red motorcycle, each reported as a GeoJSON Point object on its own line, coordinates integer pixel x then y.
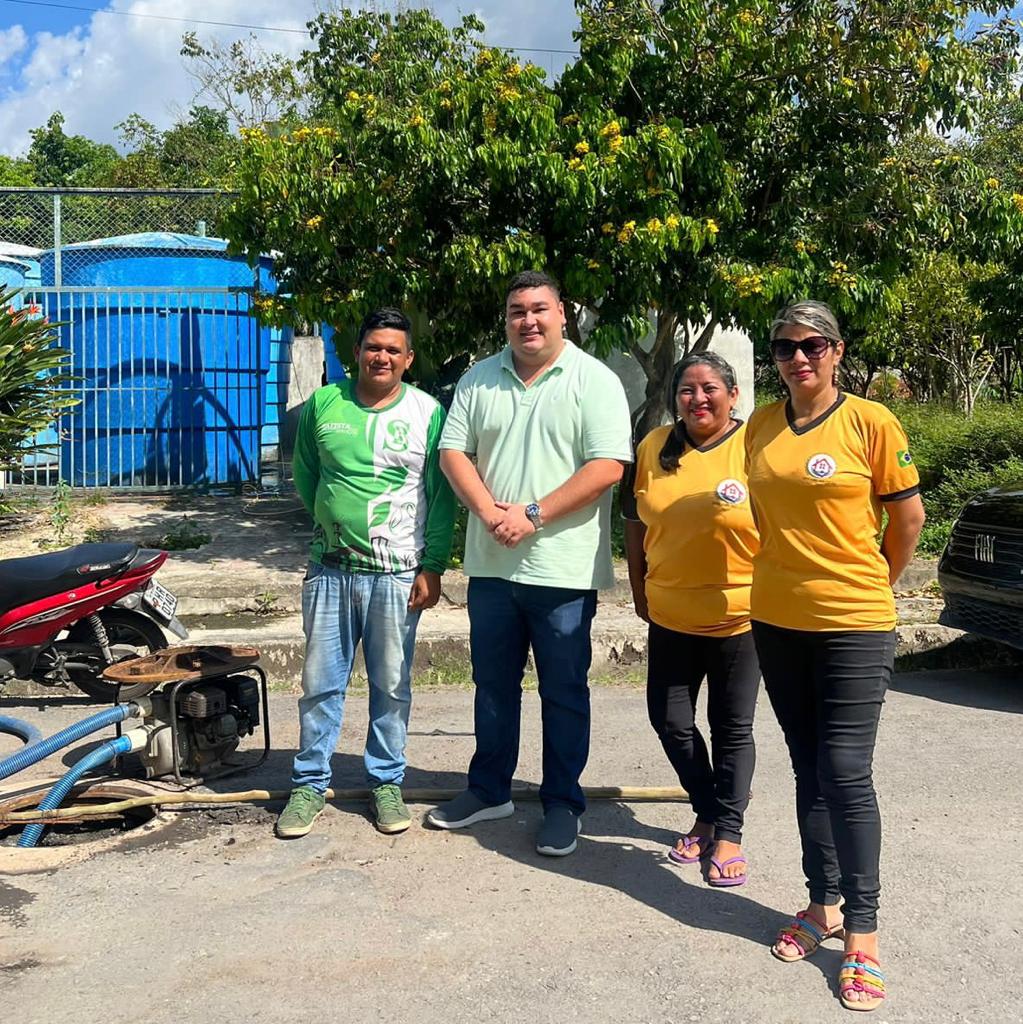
{"type": "Point", "coordinates": [66, 616]}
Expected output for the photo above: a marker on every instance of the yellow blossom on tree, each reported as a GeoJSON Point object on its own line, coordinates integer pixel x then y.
{"type": "Point", "coordinates": [352, 96]}
{"type": "Point", "coordinates": [993, 183]}
{"type": "Point", "coordinates": [663, 132]}
{"type": "Point", "coordinates": [1018, 200]}
{"type": "Point", "coordinates": [654, 226]}
{"type": "Point", "coordinates": [607, 228]}
{"type": "Point", "coordinates": [923, 65]}
{"type": "Point", "coordinates": [799, 245]}
{"type": "Point", "coordinates": [582, 148]}
{"type": "Point", "coordinates": [611, 130]}
{"type": "Point", "coordinates": [592, 265]}
{"type": "Point", "coordinates": [314, 222]}
{"type": "Point", "coordinates": [847, 82]}
{"type": "Point", "coordinates": [628, 230]}
{"type": "Point", "coordinates": [445, 104]}
{"type": "Point", "coordinates": [514, 71]}
{"type": "Point", "coordinates": [615, 143]}
{"type": "Point", "coordinates": [712, 226]}
{"type": "Point", "coordinates": [415, 121]}
{"type": "Point", "coordinates": [490, 121]}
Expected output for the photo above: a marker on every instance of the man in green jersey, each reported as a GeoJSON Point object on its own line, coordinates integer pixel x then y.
{"type": "Point", "coordinates": [366, 465]}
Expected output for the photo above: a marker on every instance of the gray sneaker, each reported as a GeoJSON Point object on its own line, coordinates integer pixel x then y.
{"type": "Point", "coordinates": [304, 806]}
{"type": "Point", "coordinates": [467, 809]}
{"type": "Point", "coordinates": [557, 835]}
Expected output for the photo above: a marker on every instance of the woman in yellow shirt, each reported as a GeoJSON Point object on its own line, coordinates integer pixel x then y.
{"type": "Point", "coordinates": [822, 466]}
{"type": "Point", "coordinates": [690, 541]}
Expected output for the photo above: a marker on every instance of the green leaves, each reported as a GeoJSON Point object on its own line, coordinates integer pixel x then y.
{"type": "Point", "coordinates": [31, 393]}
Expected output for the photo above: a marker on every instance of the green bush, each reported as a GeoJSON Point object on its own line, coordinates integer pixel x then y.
{"type": "Point", "coordinates": [958, 457]}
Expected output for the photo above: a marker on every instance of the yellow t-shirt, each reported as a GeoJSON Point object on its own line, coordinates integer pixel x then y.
{"type": "Point", "coordinates": [817, 493]}
{"type": "Point", "coordinates": [700, 538]}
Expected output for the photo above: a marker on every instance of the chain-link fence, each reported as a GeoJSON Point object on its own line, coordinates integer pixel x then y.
{"type": "Point", "coordinates": [51, 220]}
{"type": "Point", "coordinates": [176, 383]}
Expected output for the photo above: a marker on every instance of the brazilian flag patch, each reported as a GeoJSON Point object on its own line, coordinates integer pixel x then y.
{"type": "Point", "coordinates": [903, 458]}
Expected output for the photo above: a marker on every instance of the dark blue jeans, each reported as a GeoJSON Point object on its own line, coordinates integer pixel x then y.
{"type": "Point", "coordinates": [505, 620]}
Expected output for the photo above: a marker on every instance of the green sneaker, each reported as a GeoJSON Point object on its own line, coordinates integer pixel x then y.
{"type": "Point", "coordinates": [389, 810]}
{"type": "Point", "coordinates": [304, 806]}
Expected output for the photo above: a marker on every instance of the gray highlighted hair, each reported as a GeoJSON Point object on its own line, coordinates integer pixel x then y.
{"type": "Point", "coordinates": [808, 313]}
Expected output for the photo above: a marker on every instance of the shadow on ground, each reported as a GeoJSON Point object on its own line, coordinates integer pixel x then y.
{"type": "Point", "coordinates": [996, 690]}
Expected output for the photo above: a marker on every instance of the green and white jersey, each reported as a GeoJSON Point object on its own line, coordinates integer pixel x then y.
{"type": "Point", "coordinates": [372, 482]}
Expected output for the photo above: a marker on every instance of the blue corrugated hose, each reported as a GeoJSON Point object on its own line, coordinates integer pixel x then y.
{"type": "Point", "coordinates": [43, 748]}
{"type": "Point", "coordinates": [23, 730]}
{"type": "Point", "coordinates": [101, 755]}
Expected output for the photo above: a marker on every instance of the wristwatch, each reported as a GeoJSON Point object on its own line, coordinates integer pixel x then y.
{"type": "Point", "coordinates": [533, 515]}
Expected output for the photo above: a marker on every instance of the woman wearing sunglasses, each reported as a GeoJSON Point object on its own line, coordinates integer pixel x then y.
{"type": "Point", "coordinates": [690, 541]}
{"type": "Point", "coordinates": [822, 465]}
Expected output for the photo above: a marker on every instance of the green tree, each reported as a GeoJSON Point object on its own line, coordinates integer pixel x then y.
{"type": "Point", "coordinates": [16, 171]}
{"type": "Point", "coordinates": [706, 162]}
{"type": "Point", "coordinates": [68, 160]}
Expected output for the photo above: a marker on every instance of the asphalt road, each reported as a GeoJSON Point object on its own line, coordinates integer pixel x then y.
{"type": "Point", "coordinates": [210, 918]}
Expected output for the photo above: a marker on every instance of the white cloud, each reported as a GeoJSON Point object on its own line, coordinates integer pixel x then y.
{"type": "Point", "coordinates": [112, 66]}
{"type": "Point", "coordinates": [12, 41]}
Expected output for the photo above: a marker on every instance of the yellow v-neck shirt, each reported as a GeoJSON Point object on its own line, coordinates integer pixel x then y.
{"type": "Point", "coordinates": [700, 538]}
{"type": "Point", "coordinates": [817, 493]}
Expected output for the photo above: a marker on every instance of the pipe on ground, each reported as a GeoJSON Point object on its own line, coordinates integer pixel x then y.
{"type": "Point", "coordinates": [44, 748]}
{"type": "Point", "coordinates": [25, 731]}
{"type": "Point", "coordinates": [627, 794]}
{"type": "Point", "coordinates": [103, 754]}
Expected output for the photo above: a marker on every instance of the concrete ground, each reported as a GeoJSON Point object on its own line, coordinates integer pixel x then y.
{"type": "Point", "coordinates": [208, 917]}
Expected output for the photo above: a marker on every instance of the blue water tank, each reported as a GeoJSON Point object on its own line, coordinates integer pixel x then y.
{"type": "Point", "coordinates": [335, 370]}
{"type": "Point", "coordinates": [173, 385]}
{"type": "Point", "coordinates": [13, 274]}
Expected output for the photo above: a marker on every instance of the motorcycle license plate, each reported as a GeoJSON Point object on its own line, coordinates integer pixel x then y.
{"type": "Point", "coordinates": [160, 599]}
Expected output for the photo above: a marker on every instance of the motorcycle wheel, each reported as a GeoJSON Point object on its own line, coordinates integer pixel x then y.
{"type": "Point", "coordinates": [131, 635]}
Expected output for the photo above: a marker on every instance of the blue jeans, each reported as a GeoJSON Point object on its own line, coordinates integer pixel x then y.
{"type": "Point", "coordinates": [505, 620]}
{"type": "Point", "coordinates": [338, 610]}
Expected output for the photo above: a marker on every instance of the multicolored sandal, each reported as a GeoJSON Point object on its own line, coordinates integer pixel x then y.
{"type": "Point", "coordinates": [861, 973]}
{"type": "Point", "coordinates": [684, 856]}
{"type": "Point", "coordinates": [806, 933]}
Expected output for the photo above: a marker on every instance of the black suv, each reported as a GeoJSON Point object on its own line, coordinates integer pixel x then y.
{"type": "Point", "coordinates": [981, 569]}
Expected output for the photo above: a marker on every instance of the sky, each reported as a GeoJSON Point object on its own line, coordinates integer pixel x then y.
{"type": "Point", "coordinates": [97, 63]}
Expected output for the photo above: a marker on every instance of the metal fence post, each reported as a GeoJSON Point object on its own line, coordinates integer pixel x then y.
{"type": "Point", "coordinates": [57, 282]}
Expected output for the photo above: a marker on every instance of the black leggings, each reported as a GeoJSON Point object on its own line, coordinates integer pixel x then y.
{"type": "Point", "coordinates": [827, 690]}
{"type": "Point", "coordinates": [676, 666]}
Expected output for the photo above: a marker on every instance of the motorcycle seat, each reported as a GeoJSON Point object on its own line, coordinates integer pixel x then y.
{"type": "Point", "coordinates": [23, 580]}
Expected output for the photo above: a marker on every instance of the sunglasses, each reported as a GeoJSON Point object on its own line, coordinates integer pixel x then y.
{"type": "Point", "coordinates": [814, 347]}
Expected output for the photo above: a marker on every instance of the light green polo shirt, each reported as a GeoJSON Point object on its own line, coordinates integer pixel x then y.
{"type": "Point", "coordinates": [528, 442]}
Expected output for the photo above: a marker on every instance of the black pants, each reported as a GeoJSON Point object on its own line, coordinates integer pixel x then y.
{"type": "Point", "coordinates": [676, 666]}
{"type": "Point", "coordinates": [827, 690]}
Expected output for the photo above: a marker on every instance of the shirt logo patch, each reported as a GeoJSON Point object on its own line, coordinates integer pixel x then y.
{"type": "Point", "coordinates": [821, 466]}
{"type": "Point", "coordinates": [731, 491]}
{"type": "Point", "coordinates": [397, 436]}
{"type": "Point", "coordinates": [903, 458]}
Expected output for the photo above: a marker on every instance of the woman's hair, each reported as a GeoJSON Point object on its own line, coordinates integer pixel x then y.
{"type": "Point", "coordinates": [675, 442]}
{"type": "Point", "coordinates": [808, 313]}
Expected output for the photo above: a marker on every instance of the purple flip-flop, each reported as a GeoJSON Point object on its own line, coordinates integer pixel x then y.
{"type": "Point", "coordinates": [688, 842]}
{"type": "Point", "coordinates": [727, 883]}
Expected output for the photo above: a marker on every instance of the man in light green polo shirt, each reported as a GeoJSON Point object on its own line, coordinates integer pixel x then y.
{"type": "Point", "coordinates": [534, 441]}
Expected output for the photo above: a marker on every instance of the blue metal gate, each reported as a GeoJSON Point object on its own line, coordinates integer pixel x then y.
{"type": "Point", "coordinates": [171, 386]}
